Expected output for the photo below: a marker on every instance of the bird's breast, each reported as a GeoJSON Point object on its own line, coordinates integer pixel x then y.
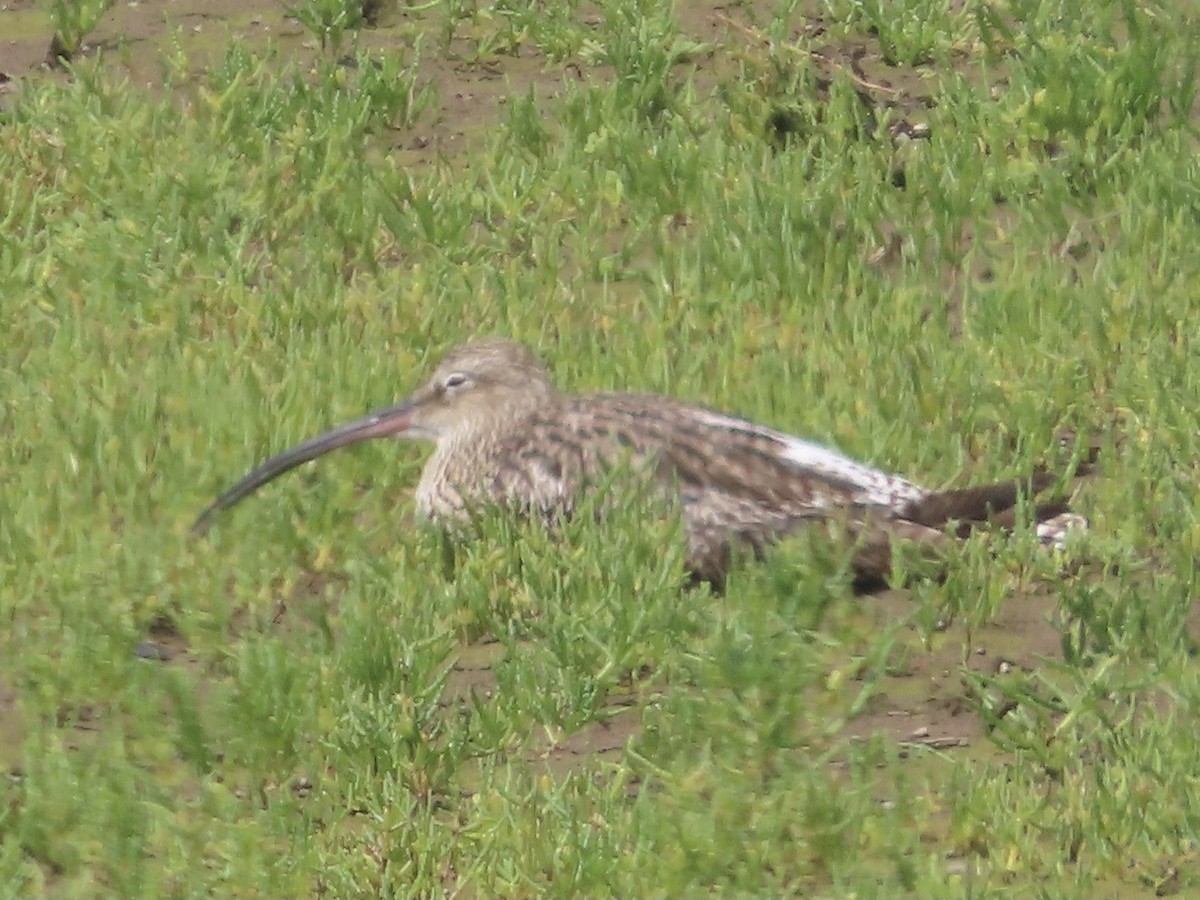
{"type": "Point", "coordinates": [462, 476]}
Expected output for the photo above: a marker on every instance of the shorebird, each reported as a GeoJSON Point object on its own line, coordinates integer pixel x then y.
{"type": "Point", "coordinates": [505, 436]}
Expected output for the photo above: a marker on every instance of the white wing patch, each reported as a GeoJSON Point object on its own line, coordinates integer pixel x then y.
{"type": "Point", "coordinates": [874, 486]}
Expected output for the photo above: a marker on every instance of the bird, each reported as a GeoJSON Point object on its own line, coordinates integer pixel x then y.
{"type": "Point", "coordinates": [505, 436]}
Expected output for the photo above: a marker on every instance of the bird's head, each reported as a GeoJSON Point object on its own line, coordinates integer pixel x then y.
{"type": "Point", "coordinates": [475, 385]}
{"type": "Point", "coordinates": [476, 389]}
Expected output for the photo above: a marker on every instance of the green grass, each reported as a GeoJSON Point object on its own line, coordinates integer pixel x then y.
{"type": "Point", "coordinates": [194, 277]}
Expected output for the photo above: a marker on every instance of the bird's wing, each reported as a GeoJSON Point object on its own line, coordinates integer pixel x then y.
{"type": "Point", "coordinates": [708, 452]}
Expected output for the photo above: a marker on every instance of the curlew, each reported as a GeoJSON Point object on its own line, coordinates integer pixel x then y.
{"type": "Point", "coordinates": [504, 435]}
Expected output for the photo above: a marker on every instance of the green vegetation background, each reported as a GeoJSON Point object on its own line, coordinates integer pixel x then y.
{"type": "Point", "coordinates": [938, 274]}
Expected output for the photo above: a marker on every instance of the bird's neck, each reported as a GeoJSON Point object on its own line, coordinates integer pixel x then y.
{"type": "Point", "coordinates": [465, 460]}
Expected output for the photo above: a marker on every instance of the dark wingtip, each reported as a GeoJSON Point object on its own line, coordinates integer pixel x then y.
{"type": "Point", "coordinates": [979, 503]}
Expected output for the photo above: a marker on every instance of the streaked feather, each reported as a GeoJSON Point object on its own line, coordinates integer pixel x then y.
{"type": "Point", "coordinates": [503, 434]}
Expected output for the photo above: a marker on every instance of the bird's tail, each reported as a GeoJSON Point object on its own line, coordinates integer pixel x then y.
{"type": "Point", "coordinates": [930, 519]}
{"type": "Point", "coordinates": [996, 504]}
{"type": "Point", "coordinates": [981, 503]}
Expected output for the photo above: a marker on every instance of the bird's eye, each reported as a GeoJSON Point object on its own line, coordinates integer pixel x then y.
{"type": "Point", "coordinates": [455, 380]}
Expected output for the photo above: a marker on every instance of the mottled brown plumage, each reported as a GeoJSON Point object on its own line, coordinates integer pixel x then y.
{"type": "Point", "coordinates": [503, 434]}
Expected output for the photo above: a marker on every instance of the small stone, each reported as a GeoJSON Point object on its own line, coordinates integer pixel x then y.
{"type": "Point", "coordinates": [154, 651]}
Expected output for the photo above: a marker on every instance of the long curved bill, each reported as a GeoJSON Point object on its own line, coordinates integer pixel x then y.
{"type": "Point", "coordinates": [393, 421]}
